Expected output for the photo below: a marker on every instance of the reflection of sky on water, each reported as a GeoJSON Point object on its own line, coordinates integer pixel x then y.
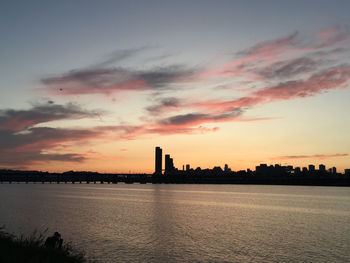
{"type": "Point", "coordinates": [186, 223]}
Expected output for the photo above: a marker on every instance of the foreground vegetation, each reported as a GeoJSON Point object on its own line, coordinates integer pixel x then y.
{"type": "Point", "coordinates": [32, 249]}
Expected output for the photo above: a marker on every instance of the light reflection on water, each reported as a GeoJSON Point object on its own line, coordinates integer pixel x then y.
{"type": "Point", "coordinates": [187, 223]}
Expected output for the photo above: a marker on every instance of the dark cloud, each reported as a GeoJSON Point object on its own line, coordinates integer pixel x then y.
{"type": "Point", "coordinates": [22, 143]}
{"type": "Point", "coordinates": [17, 120]}
{"type": "Point", "coordinates": [105, 78]}
{"type": "Point", "coordinates": [193, 119]}
{"type": "Point", "coordinates": [30, 145]}
{"type": "Point", "coordinates": [329, 52]}
{"type": "Point", "coordinates": [14, 159]}
{"type": "Point", "coordinates": [184, 119]}
{"type": "Point", "coordinates": [164, 105]}
{"type": "Point", "coordinates": [290, 68]}
{"type": "Point", "coordinates": [110, 80]}
{"type": "Point", "coordinates": [40, 138]}
{"type": "Point", "coordinates": [162, 77]}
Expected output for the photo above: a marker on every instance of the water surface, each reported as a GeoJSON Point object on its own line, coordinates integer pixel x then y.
{"type": "Point", "coordinates": [186, 223]}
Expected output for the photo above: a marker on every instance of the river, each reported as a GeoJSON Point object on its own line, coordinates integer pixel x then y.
{"type": "Point", "coordinates": [186, 223]}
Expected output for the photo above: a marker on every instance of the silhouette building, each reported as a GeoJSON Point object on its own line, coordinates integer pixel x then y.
{"type": "Point", "coordinates": [227, 169]}
{"type": "Point", "coordinates": [311, 167]}
{"type": "Point", "coordinates": [334, 170]}
{"type": "Point", "coordinates": [158, 164]}
{"type": "Point", "coordinates": [169, 164]}
{"type": "Point", "coordinates": [322, 167]}
{"type": "Point", "coordinates": [264, 173]}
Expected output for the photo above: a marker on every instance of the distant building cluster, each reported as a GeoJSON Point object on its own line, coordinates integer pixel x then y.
{"type": "Point", "coordinates": [289, 169]}
{"type": "Point", "coordinates": [169, 163]}
{"type": "Point", "coordinates": [263, 174]}
{"type": "Point", "coordinates": [263, 170]}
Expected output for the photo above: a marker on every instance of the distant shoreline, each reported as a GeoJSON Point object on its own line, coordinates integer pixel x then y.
{"type": "Point", "coordinates": [253, 178]}
{"type": "Point", "coordinates": [337, 184]}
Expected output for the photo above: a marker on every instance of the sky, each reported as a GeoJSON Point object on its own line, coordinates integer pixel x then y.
{"type": "Point", "coordinates": [97, 85]}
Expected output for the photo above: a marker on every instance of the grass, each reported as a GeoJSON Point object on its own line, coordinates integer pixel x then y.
{"type": "Point", "coordinates": [32, 250]}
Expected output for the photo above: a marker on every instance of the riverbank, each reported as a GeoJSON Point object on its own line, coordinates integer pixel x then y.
{"type": "Point", "coordinates": [32, 250]}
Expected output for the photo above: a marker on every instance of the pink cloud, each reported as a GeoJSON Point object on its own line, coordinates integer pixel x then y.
{"type": "Point", "coordinates": [328, 32]}
{"type": "Point", "coordinates": [250, 60]}
{"type": "Point", "coordinates": [334, 35]}
{"type": "Point", "coordinates": [328, 79]}
{"type": "Point", "coordinates": [271, 48]}
{"type": "Point", "coordinates": [112, 80]}
{"type": "Point", "coordinates": [263, 52]}
{"type": "Point", "coordinates": [331, 78]}
{"type": "Point", "coordinates": [316, 156]}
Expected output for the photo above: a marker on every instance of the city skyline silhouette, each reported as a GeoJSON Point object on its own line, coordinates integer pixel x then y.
{"type": "Point", "coordinates": [263, 174]}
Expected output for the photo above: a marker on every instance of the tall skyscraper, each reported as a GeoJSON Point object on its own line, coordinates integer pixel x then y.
{"type": "Point", "coordinates": [167, 164]}
{"type": "Point", "coordinates": [158, 157]}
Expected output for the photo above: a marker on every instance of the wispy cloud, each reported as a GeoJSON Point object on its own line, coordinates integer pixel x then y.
{"type": "Point", "coordinates": [119, 55]}
{"type": "Point", "coordinates": [289, 68]}
{"type": "Point", "coordinates": [164, 105]}
{"type": "Point", "coordinates": [273, 58]}
{"type": "Point", "coordinates": [315, 156]}
{"type": "Point", "coordinates": [30, 146]}
{"type": "Point", "coordinates": [270, 48]}
{"type": "Point", "coordinates": [194, 119]}
{"type": "Point", "coordinates": [332, 36]}
{"type": "Point", "coordinates": [328, 79]}
{"type": "Point", "coordinates": [111, 80]}
{"type": "Point", "coordinates": [23, 143]}
{"type": "Point", "coordinates": [17, 120]}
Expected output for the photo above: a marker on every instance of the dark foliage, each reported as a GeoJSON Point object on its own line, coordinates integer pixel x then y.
{"type": "Point", "coordinates": [32, 250]}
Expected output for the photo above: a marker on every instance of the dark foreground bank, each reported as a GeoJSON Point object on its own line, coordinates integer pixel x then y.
{"type": "Point", "coordinates": [32, 249]}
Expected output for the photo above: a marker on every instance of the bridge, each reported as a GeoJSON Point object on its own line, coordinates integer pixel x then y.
{"type": "Point", "coordinates": [71, 177]}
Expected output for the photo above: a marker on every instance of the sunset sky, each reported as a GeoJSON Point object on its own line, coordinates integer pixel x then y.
{"type": "Point", "coordinates": [96, 85]}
